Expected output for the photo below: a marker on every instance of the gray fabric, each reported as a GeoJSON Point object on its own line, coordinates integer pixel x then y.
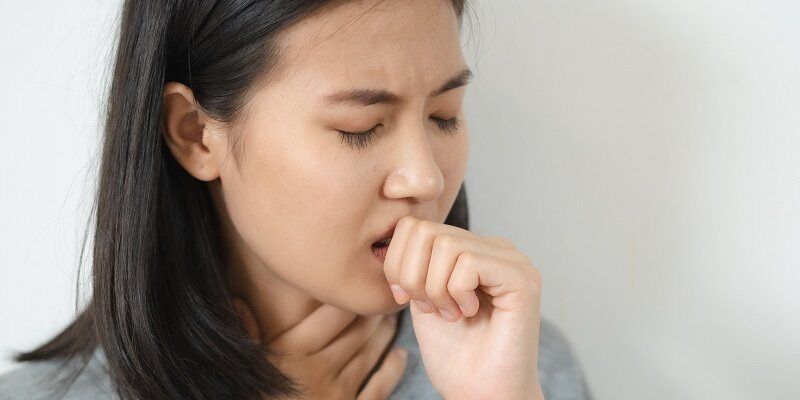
{"type": "Point", "coordinates": [559, 372]}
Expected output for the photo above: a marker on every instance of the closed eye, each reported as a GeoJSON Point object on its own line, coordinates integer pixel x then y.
{"type": "Point", "coordinates": [360, 140]}
{"type": "Point", "coordinates": [447, 125]}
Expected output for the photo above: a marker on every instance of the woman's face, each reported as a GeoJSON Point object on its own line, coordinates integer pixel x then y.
{"type": "Point", "coordinates": [305, 207]}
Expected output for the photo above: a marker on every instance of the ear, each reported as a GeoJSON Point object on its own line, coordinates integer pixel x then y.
{"type": "Point", "coordinates": [184, 127]}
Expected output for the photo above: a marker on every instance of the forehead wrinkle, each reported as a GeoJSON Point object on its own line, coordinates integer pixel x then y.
{"type": "Point", "coordinates": [367, 96]}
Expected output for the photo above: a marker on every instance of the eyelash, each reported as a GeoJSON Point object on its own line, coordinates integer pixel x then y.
{"type": "Point", "coordinates": [360, 140]}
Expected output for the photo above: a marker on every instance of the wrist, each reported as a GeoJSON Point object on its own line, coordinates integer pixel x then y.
{"type": "Point", "coordinates": [532, 392]}
{"type": "Point", "coordinates": [535, 393]}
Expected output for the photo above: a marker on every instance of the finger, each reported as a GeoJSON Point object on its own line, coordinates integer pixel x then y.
{"type": "Point", "coordinates": [366, 358]}
{"type": "Point", "coordinates": [341, 350]}
{"type": "Point", "coordinates": [501, 241]}
{"type": "Point", "coordinates": [417, 256]}
{"type": "Point", "coordinates": [394, 257]}
{"type": "Point", "coordinates": [446, 249]}
{"type": "Point", "coordinates": [414, 267]}
{"type": "Point", "coordinates": [506, 281]}
{"type": "Point", "coordinates": [314, 332]}
{"type": "Point", "coordinates": [383, 382]}
{"type": "Point", "coordinates": [247, 318]}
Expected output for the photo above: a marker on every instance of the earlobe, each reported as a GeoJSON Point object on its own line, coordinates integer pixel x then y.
{"type": "Point", "coordinates": [183, 126]}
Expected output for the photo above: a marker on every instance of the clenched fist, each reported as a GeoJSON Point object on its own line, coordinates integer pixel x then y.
{"type": "Point", "coordinates": [475, 307]}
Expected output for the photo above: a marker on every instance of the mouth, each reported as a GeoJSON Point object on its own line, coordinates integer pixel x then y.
{"type": "Point", "coordinates": [385, 238]}
{"type": "Point", "coordinates": [381, 245]}
{"type": "Point", "coordinates": [380, 248]}
{"type": "Point", "coordinates": [384, 242]}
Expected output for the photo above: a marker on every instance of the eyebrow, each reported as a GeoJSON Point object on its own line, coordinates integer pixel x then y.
{"type": "Point", "coordinates": [366, 97]}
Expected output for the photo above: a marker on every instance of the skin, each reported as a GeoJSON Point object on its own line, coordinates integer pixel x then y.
{"type": "Point", "coordinates": [300, 209]}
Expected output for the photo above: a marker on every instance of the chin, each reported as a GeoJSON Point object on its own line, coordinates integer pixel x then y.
{"type": "Point", "coordinates": [388, 309]}
{"type": "Point", "coordinates": [365, 290]}
{"type": "Point", "coordinates": [378, 303]}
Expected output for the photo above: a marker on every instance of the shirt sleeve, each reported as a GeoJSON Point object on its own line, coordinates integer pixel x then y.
{"type": "Point", "coordinates": [560, 372]}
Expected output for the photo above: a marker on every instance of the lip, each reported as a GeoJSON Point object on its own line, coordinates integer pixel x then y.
{"type": "Point", "coordinates": [387, 232]}
{"type": "Point", "coordinates": [380, 253]}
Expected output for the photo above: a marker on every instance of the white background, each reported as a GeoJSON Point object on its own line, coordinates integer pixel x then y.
{"type": "Point", "coordinates": [644, 154]}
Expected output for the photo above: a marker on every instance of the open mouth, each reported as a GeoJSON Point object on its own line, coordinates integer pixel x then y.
{"type": "Point", "coordinates": [380, 248]}
{"type": "Point", "coordinates": [382, 243]}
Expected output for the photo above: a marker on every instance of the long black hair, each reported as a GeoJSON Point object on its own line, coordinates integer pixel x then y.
{"type": "Point", "coordinates": [160, 308]}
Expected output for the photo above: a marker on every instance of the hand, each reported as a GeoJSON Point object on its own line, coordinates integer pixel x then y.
{"type": "Point", "coordinates": [328, 366]}
{"type": "Point", "coordinates": [475, 309]}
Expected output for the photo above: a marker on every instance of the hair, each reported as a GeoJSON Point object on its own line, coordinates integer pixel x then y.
{"type": "Point", "coordinates": [160, 308]}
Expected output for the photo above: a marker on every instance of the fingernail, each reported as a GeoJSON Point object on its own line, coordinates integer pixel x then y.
{"type": "Point", "coordinates": [424, 306]}
{"type": "Point", "coordinates": [447, 315]}
{"type": "Point", "coordinates": [400, 295]}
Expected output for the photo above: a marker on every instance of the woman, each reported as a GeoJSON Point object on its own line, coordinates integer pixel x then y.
{"type": "Point", "coordinates": [282, 181]}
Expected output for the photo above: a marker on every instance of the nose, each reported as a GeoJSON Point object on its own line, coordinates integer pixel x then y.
{"type": "Point", "coordinates": [416, 173]}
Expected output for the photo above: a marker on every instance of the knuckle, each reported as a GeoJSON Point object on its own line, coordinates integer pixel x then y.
{"type": "Point", "coordinates": [520, 258]}
{"type": "Point", "coordinates": [534, 279]}
{"type": "Point", "coordinates": [536, 275]}
{"type": "Point", "coordinates": [445, 242]}
{"type": "Point", "coordinates": [467, 258]}
{"type": "Point", "coordinates": [437, 293]}
{"type": "Point", "coordinates": [411, 284]}
{"type": "Point", "coordinates": [527, 260]}
{"type": "Point", "coordinates": [406, 220]}
{"type": "Point", "coordinates": [406, 224]}
{"type": "Point", "coordinates": [424, 228]}
{"type": "Point", "coordinates": [503, 242]}
{"type": "Point", "coordinates": [465, 262]}
{"type": "Point", "coordinates": [453, 285]}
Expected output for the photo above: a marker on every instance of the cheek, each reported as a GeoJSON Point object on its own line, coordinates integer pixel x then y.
{"type": "Point", "coordinates": [452, 158]}
{"type": "Point", "coordinates": [300, 207]}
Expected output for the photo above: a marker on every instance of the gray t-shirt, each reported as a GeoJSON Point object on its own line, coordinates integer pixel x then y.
{"type": "Point", "coordinates": [559, 372]}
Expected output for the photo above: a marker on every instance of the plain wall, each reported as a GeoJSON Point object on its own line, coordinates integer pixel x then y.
{"type": "Point", "coordinates": [644, 154]}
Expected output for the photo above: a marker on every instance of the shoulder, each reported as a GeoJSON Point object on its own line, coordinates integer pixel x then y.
{"type": "Point", "coordinates": [560, 372]}
{"type": "Point", "coordinates": [46, 380]}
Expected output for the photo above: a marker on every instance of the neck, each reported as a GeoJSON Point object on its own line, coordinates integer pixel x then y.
{"type": "Point", "coordinates": [277, 305]}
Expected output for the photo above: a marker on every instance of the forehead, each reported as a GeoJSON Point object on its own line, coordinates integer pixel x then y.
{"type": "Point", "coordinates": [406, 46]}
